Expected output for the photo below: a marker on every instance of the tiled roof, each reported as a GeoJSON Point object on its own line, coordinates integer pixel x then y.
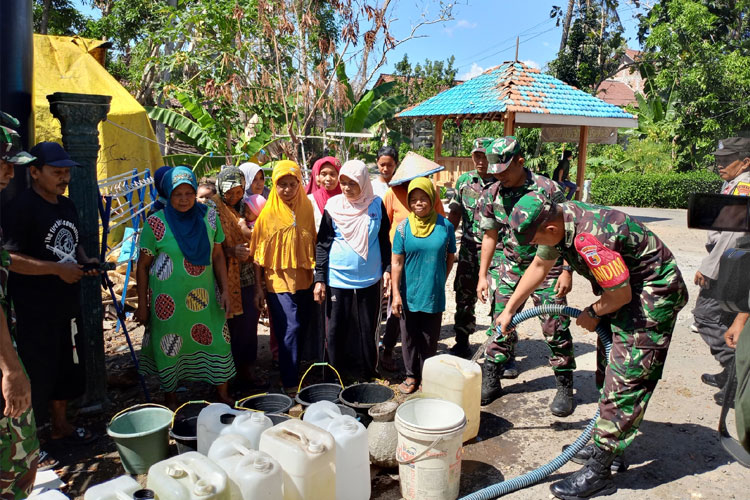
{"type": "Point", "coordinates": [617, 93]}
{"type": "Point", "coordinates": [514, 86]}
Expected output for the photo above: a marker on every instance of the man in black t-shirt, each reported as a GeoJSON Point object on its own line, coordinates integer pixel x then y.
{"type": "Point", "coordinates": [41, 227]}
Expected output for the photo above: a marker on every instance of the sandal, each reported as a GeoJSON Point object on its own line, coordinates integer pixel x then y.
{"type": "Point", "coordinates": [79, 436]}
{"type": "Point", "coordinates": [408, 386]}
{"type": "Point", "coordinates": [46, 461]}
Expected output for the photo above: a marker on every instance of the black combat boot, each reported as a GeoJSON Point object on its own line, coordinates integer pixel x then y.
{"type": "Point", "coordinates": [509, 368]}
{"type": "Point", "coordinates": [618, 464]}
{"type": "Point", "coordinates": [562, 405]}
{"type": "Point", "coordinates": [461, 348]}
{"type": "Point", "coordinates": [592, 479]}
{"type": "Point", "coordinates": [718, 380]}
{"type": "Point", "coordinates": [491, 388]}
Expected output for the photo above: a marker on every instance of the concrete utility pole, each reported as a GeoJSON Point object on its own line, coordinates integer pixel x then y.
{"type": "Point", "coordinates": [16, 76]}
{"type": "Point", "coordinates": [79, 116]}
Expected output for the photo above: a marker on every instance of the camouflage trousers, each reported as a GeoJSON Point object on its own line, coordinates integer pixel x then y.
{"type": "Point", "coordinates": [636, 363]}
{"type": "Point", "coordinates": [465, 285]}
{"type": "Point", "coordinates": [556, 329]}
{"type": "Point", "coordinates": [19, 454]}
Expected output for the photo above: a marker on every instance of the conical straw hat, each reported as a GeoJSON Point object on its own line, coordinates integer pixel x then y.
{"type": "Point", "coordinates": [413, 166]}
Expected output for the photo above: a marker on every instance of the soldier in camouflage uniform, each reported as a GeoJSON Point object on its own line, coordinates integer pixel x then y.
{"type": "Point", "coordinates": [19, 447]}
{"type": "Point", "coordinates": [641, 291]}
{"type": "Point", "coordinates": [466, 209]}
{"type": "Point", "coordinates": [505, 266]}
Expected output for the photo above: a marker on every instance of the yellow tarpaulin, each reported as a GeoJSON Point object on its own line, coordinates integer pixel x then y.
{"type": "Point", "coordinates": [65, 64]}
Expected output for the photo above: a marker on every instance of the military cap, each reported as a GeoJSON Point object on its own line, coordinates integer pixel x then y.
{"type": "Point", "coordinates": [733, 145]}
{"type": "Point", "coordinates": [529, 214]}
{"type": "Point", "coordinates": [10, 142]}
{"type": "Point", "coordinates": [501, 153]}
{"type": "Point", "coordinates": [482, 144]}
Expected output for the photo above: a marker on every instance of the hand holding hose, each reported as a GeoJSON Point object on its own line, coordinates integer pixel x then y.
{"type": "Point", "coordinates": [504, 322]}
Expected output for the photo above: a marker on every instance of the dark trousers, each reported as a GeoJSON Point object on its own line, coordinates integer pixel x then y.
{"type": "Point", "coordinates": [392, 329]}
{"type": "Point", "coordinates": [353, 319]}
{"type": "Point", "coordinates": [244, 330]}
{"type": "Point", "coordinates": [289, 311]}
{"type": "Point", "coordinates": [712, 321]}
{"type": "Point", "coordinates": [56, 370]}
{"type": "Point", "coordinates": [420, 333]}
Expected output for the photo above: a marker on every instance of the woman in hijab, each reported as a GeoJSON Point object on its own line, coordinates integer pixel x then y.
{"type": "Point", "coordinates": [352, 261]}
{"type": "Point", "coordinates": [283, 250]}
{"type": "Point", "coordinates": [255, 180]}
{"type": "Point", "coordinates": [161, 200]}
{"type": "Point", "coordinates": [324, 185]}
{"type": "Point", "coordinates": [245, 294]}
{"type": "Point", "coordinates": [183, 295]}
{"type": "Point", "coordinates": [424, 249]}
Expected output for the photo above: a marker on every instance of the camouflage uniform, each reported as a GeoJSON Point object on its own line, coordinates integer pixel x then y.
{"type": "Point", "coordinates": [19, 447]}
{"type": "Point", "coordinates": [508, 265]}
{"type": "Point", "coordinates": [469, 188]}
{"type": "Point", "coordinates": [610, 249]}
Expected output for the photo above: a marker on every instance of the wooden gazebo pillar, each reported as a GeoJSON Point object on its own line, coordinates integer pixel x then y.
{"type": "Point", "coordinates": [509, 122]}
{"type": "Point", "coordinates": [583, 144]}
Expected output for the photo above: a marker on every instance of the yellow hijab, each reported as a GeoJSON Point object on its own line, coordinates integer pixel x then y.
{"type": "Point", "coordinates": [421, 227]}
{"type": "Point", "coordinates": [284, 235]}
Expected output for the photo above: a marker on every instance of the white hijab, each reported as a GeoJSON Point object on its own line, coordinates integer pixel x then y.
{"type": "Point", "coordinates": [351, 215]}
{"type": "Point", "coordinates": [250, 170]}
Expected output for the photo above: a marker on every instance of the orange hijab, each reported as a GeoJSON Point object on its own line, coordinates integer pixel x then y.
{"type": "Point", "coordinates": [284, 235]}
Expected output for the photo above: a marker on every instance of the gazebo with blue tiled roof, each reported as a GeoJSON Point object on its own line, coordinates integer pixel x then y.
{"type": "Point", "coordinates": [521, 96]}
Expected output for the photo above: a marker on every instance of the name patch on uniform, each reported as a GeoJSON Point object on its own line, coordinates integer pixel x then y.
{"type": "Point", "coordinates": [607, 266]}
{"type": "Point", "coordinates": [742, 189]}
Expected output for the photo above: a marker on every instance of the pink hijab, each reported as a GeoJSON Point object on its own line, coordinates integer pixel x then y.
{"type": "Point", "coordinates": [321, 194]}
{"type": "Point", "coordinates": [351, 216]}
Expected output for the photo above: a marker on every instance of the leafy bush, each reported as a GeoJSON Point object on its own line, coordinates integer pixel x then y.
{"type": "Point", "coordinates": [669, 190]}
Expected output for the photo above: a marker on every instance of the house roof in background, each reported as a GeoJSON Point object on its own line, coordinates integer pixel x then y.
{"type": "Point", "coordinates": [536, 98]}
{"type": "Point", "coordinates": [615, 92]}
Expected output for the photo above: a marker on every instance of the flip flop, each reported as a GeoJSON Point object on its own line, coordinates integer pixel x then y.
{"type": "Point", "coordinates": [79, 436]}
{"type": "Point", "coordinates": [46, 461]}
{"type": "Point", "coordinates": [407, 387]}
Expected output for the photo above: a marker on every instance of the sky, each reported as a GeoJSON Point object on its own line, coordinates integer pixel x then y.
{"type": "Point", "coordinates": [481, 35]}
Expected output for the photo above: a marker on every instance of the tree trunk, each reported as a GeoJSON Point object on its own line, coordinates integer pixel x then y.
{"type": "Point", "coordinates": [566, 24]}
{"type": "Point", "coordinates": [45, 17]}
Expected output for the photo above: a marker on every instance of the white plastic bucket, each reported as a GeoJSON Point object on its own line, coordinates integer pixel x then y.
{"type": "Point", "coordinates": [429, 448]}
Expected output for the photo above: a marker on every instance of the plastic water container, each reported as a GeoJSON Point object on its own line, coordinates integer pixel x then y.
{"type": "Point", "coordinates": [253, 474]}
{"type": "Point", "coordinates": [190, 476]}
{"type": "Point", "coordinates": [321, 413]}
{"type": "Point", "coordinates": [120, 488]}
{"type": "Point", "coordinates": [249, 424]}
{"type": "Point", "coordinates": [307, 455]}
{"type": "Point", "coordinates": [352, 458]}
{"type": "Point", "coordinates": [212, 420]}
{"type": "Point", "coordinates": [456, 380]}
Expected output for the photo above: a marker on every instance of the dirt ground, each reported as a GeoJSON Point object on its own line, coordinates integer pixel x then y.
{"type": "Point", "coordinates": [675, 456]}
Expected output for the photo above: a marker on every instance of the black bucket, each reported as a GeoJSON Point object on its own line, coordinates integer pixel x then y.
{"type": "Point", "coordinates": [362, 397]}
{"type": "Point", "coordinates": [277, 418]}
{"type": "Point", "coordinates": [318, 392]}
{"type": "Point", "coordinates": [267, 403]}
{"type": "Point", "coordinates": [185, 434]}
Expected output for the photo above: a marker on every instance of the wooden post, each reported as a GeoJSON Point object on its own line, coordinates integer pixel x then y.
{"type": "Point", "coordinates": [509, 120]}
{"type": "Point", "coordinates": [439, 137]}
{"type": "Point", "coordinates": [583, 143]}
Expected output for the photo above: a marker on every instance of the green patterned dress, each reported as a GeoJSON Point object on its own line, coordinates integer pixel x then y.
{"type": "Point", "coordinates": [187, 336]}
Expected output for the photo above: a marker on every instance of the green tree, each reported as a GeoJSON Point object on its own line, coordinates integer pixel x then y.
{"type": "Point", "coordinates": [699, 51]}
{"type": "Point", "coordinates": [58, 17]}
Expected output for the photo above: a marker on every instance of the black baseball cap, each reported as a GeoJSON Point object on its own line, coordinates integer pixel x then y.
{"type": "Point", "coordinates": [52, 154]}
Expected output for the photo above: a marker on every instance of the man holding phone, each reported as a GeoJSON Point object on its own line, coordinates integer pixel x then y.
{"type": "Point", "coordinates": [48, 261]}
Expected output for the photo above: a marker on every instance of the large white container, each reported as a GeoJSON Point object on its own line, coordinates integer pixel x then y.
{"type": "Point", "coordinates": [429, 448]}
{"type": "Point", "coordinates": [307, 455]}
{"type": "Point", "coordinates": [352, 458]}
{"type": "Point", "coordinates": [456, 380]}
{"type": "Point", "coordinates": [321, 414]}
{"type": "Point", "coordinates": [249, 424]}
{"type": "Point", "coordinates": [190, 476]}
{"type": "Point", "coordinates": [253, 474]}
{"type": "Point", "coordinates": [213, 419]}
{"type": "Point", "coordinates": [119, 488]}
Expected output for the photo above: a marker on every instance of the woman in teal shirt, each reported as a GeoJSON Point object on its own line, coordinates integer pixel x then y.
{"type": "Point", "coordinates": [424, 249]}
